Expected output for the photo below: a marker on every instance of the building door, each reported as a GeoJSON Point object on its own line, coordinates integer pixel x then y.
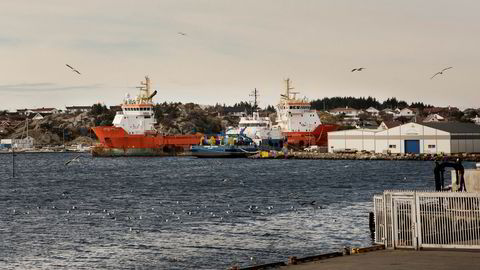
{"type": "Point", "coordinates": [412, 146]}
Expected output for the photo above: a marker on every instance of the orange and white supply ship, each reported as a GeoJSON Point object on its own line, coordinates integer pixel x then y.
{"type": "Point", "coordinates": [300, 125]}
{"type": "Point", "coordinates": [133, 132]}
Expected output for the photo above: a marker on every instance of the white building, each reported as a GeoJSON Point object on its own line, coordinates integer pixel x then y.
{"type": "Point", "coordinates": [433, 137]}
{"type": "Point", "coordinates": [476, 120]}
{"type": "Point", "coordinates": [347, 112]}
{"type": "Point", "coordinates": [372, 111]}
{"type": "Point", "coordinates": [24, 143]}
{"type": "Point", "coordinates": [405, 112]}
{"type": "Point", "coordinates": [74, 109]}
{"type": "Point", "coordinates": [37, 116]}
{"type": "Point", "coordinates": [434, 118]}
{"type": "Point", "coordinates": [389, 111]}
{"type": "Point", "coordinates": [40, 110]}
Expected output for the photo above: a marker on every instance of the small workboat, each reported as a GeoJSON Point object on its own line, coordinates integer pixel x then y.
{"type": "Point", "coordinates": [223, 151]}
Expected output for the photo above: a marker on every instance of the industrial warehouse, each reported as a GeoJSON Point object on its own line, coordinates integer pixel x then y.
{"type": "Point", "coordinates": [417, 138]}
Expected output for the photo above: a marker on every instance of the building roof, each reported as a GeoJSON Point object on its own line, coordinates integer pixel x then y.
{"type": "Point", "coordinates": [344, 110]}
{"type": "Point", "coordinates": [392, 124]}
{"type": "Point", "coordinates": [43, 109]}
{"type": "Point", "coordinates": [77, 107]}
{"type": "Point", "coordinates": [454, 127]}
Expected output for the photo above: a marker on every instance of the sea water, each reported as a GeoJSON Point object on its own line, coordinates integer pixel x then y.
{"type": "Point", "coordinates": [187, 213]}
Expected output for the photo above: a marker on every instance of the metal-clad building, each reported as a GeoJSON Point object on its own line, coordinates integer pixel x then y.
{"type": "Point", "coordinates": [433, 137]}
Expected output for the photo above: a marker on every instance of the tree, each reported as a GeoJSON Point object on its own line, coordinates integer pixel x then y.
{"type": "Point", "coordinates": [98, 109]}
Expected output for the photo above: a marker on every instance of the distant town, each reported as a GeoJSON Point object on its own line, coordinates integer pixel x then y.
{"type": "Point", "coordinates": [71, 125]}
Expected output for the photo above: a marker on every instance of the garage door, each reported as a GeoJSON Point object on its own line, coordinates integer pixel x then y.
{"type": "Point", "coordinates": [412, 146]}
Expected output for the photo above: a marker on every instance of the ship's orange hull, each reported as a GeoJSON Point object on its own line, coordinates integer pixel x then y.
{"type": "Point", "coordinates": [317, 137]}
{"type": "Point", "coordinates": [115, 141]}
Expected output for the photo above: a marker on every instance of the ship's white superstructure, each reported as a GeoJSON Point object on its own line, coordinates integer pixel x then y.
{"type": "Point", "coordinates": [294, 114]}
{"type": "Point", "coordinates": [137, 116]}
{"type": "Point", "coordinates": [256, 128]}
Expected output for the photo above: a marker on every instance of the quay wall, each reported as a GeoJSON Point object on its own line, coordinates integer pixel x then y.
{"type": "Point", "coordinates": [370, 156]}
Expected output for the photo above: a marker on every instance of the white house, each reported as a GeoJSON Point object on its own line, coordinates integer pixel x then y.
{"type": "Point", "coordinates": [372, 111]}
{"type": "Point", "coordinates": [37, 116]}
{"type": "Point", "coordinates": [388, 111]}
{"type": "Point", "coordinates": [39, 110]}
{"type": "Point", "coordinates": [434, 118]}
{"type": "Point", "coordinates": [433, 137]}
{"type": "Point", "coordinates": [405, 112]}
{"type": "Point", "coordinates": [347, 112]}
{"type": "Point", "coordinates": [74, 109]}
{"type": "Point", "coordinates": [476, 120]}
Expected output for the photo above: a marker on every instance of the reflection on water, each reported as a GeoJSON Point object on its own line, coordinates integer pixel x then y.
{"type": "Point", "coordinates": [184, 213]}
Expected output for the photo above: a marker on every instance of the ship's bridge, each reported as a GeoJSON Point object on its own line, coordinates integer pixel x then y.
{"type": "Point", "coordinates": [137, 114]}
{"type": "Point", "coordinates": [295, 115]}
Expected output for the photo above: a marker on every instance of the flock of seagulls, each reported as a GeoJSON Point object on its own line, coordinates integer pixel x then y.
{"type": "Point", "coordinates": [353, 70]}
{"type": "Point", "coordinates": [438, 73]}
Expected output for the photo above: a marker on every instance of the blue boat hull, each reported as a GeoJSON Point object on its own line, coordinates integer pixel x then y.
{"type": "Point", "coordinates": [221, 151]}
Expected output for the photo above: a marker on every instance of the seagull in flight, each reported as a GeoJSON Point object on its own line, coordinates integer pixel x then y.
{"type": "Point", "coordinates": [358, 69]}
{"type": "Point", "coordinates": [73, 159]}
{"type": "Point", "coordinates": [440, 72]}
{"type": "Point", "coordinates": [182, 33]}
{"type": "Point", "coordinates": [73, 69]}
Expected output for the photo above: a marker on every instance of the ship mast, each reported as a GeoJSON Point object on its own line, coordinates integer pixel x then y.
{"type": "Point", "coordinates": [145, 94]}
{"type": "Point", "coordinates": [255, 95]}
{"type": "Point", "coordinates": [287, 90]}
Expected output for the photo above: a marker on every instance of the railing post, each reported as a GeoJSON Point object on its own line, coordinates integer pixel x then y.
{"type": "Point", "coordinates": [418, 221]}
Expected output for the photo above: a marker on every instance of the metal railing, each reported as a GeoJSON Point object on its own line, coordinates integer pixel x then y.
{"type": "Point", "coordinates": [410, 219]}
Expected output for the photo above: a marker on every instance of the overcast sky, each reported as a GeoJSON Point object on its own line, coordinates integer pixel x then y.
{"type": "Point", "coordinates": [232, 47]}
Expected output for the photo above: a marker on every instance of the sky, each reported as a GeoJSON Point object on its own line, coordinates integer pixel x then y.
{"type": "Point", "coordinates": [232, 47]}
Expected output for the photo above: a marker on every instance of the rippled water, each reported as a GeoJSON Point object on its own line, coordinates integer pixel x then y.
{"type": "Point", "coordinates": [187, 213]}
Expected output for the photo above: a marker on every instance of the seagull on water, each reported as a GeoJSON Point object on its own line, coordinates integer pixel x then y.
{"type": "Point", "coordinates": [73, 69]}
{"type": "Point", "coordinates": [440, 72]}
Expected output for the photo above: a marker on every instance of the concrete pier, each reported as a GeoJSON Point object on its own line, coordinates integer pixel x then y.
{"type": "Point", "coordinates": [397, 260]}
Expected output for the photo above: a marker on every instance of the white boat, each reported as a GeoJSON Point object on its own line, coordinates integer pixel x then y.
{"type": "Point", "coordinates": [299, 123]}
{"type": "Point", "coordinates": [259, 129]}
